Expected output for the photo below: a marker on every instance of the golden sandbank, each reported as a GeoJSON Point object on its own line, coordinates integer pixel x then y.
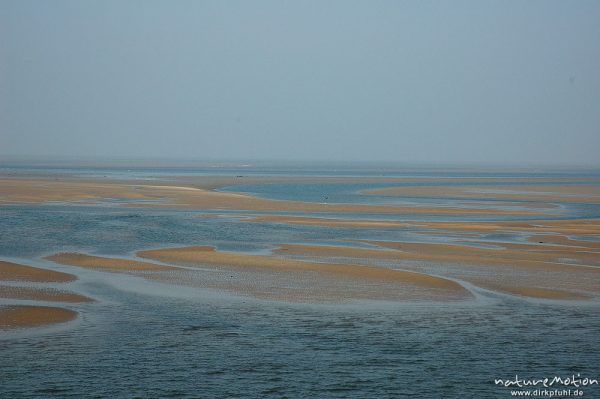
{"type": "Point", "coordinates": [164, 196]}
{"type": "Point", "coordinates": [550, 271]}
{"type": "Point", "coordinates": [20, 316]}
{"type": "Point", "coordinates": [210, 256]}
{"type": "Point", "coordinates": [15, 272]}
{"type": "Point", "coordinates": [286, 279]}
{"type": "Point", "coordinates": [101, 262]}
{"type": "Point", "coordinates": [531, 256]}
{"type": "Point", "coordinates": [537, 257]}
{"type": "Point", "coordinates": [578, 227]}
{"type": "Point", "coordinates": [14, 316]}
{"type": "Point", "coordinates": [530, 272]}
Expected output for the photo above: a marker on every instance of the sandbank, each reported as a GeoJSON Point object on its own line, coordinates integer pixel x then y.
{"type": "Point", "coordinates": [269, 277]}
{"type": "Point", "coordinates": [542, 193]}
{"type": "Point", "coordinates": [41, 294]}
{"type": "Point", "coordinates": [578, 227]}
{"type": "Point", "coordinates": [287, 279]}
{"type": "Point", "coordinates": [163, 196]}
{"type": "Point", "coordinates": [101, 262]}
{"type": "Point", "coordinates": [532, 272]}
{"type": "Point", "coordinates": [210, 256]}
{"type": "Point", "coordinates": [528, 256]}
{"type": "Point", "coordinates": [533, 292]}
{"type": "Point", "coordinates": [15, 272]}
{"type": "Point", "coordinates": [219, 181]}
{"type": "Point", "coordinates": [20, 316]}
{"type": "Point", "coordinates": [204, 255]}
{"type": "Point", "coordinates": [329, 222]}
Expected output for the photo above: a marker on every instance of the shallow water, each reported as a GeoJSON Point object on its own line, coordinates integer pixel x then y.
{"type": "Point", "coordinates": [143, 339]}
{"type": "Point", "coordinates": [153, 346]}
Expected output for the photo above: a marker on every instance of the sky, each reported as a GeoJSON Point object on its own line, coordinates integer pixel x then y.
{"type": "Point", "coordinates": [505, 82]}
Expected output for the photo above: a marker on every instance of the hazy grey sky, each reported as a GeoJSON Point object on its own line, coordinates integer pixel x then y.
{"type": "Point", "coordinates": [447, 81]}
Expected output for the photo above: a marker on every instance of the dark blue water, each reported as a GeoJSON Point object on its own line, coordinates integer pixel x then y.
{"type": "Point", "coordinates": [149, 346]}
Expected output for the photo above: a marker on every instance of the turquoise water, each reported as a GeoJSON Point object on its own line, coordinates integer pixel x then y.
{"type": "Point", "coordinates": [143, 339]}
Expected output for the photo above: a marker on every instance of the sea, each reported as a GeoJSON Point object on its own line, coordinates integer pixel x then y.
{"type": "Point", "coordinates": [143, 339]}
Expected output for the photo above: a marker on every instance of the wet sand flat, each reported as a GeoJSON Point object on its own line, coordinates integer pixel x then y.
{"type": "Point", "coordinates": [556, 261]}
{"type": "Point", "coordinates": [329, 222]}
{"type": "Point", "coordinates": [537, 270]}
{"type": "Point", "coordinates": [542, 230]}
{"type": "Point", "coordinates": [532, 256]}
{"type": "Point", "coordinates": [15, 272]}
{"type": "Point", "coordinates": [547, 192]}
{"type": "Point", "coordinates": [540, 259]}
{"type": "Point", "coordinates": [163, 196]}
{"type": "Point", "coordinates": [210, 256]}
{"type": "Point", "coordinates": [213, 182]}
{"type": "Point", "coordinates": [537, 274]}
{"type": "Point", "coordinates": [47, 190]}
{"type": "Point", "coordinates": [533, 292]}
{"type": "Point", "coordinates": [578, 227]}
{"type": "Point", "coordinates": [41, 294]}
{"type": "Point", "coordinates": [557, 239]}
{"type": "Point", "coordinates": [100, 262]}
{"type": "Point", "coordinates": [21, 316]}
{"type": "Point", "coordinates": [296, 281]}
{"type": "Point", "coordinates": [275, 278]}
